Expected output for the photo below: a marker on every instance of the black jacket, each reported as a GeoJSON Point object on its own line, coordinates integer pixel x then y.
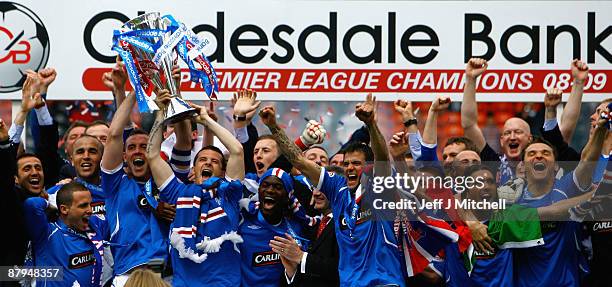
{"type": "Point", "coordinates": [321, 262]}
{"type": "Point", "coordinates": [14, 241]}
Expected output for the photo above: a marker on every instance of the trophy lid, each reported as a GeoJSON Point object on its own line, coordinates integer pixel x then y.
{"type": "Point", "coordinates": [151, 20]}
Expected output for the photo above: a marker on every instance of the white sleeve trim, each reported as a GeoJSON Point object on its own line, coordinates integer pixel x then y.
{"type": "Point", "coordinates": [168, 180]}
{"type": "Point", "coordinates": [303, 263]}
{"type": "Point", "coordinates": [111, 171]}
{"type": "Point", "coordinates": [321, 178]}
{"type": "Point", "coordinates": [431, 146]}
{"type": "Point", "coordinates": [550, 124]}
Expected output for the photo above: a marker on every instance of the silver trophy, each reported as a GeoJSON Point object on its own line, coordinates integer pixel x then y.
{"type": "Point", "coordinates": [159, 75]}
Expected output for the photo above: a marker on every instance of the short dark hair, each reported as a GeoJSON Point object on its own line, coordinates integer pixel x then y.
{"type": "Point", "coordinates": [75, 124]}
{"type": "Point", "coordinates": [362, 148]}
{"type": "Point", "coordinates": [26, 154]}
{"type": "Point", "coordinates": [137, 131]}
{"type": "Point", "coordinates": [215, 149]}
{"type": "Point", "coordinates": [541, 140]}
{"type": "Point", "coordinates": [98, 142]}
{"type": "Point", "coordinates": [469, 144]}
{"type": "Point", "coordinates": [64, 194]}
{"type": "Point", "coordinates": [134, 132]}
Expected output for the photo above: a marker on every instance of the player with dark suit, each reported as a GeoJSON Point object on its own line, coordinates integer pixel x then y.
{"type": "Point", "coordinates": [319, 265]}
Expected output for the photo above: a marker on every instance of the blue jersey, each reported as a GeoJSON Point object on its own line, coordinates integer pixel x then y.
{"type": "Point", "coordinates": [54, 244]}
{"type": "Point", "coordinates": [368, 254]}
{"type": "Point", "coordinates": [451, 268]}
{"type": "Point", "coordinates": [98, 205]}
{"type": "Point", "coordinates": [135, 235]}
{"type": "Point", "coordinates": [260, 265]}
{"type": "Point", "coordinates": [221, 268]}
{"type": "Point", "coordinates": [492, 268]}
{"type": "Point", "coordinates": [557, 262]}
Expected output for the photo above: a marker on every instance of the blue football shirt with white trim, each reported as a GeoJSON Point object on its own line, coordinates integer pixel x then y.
{"type": "Point", "coordinates": [136, 236]}
{"type": "Point", "coordinates": [371, 257]}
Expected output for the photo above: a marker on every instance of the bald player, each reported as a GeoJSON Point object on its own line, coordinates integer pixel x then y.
{"type": "Point", "coordinates": [515, 135]}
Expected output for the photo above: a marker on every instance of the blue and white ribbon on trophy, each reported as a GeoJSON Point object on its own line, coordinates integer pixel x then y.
{"type": "Point", "coordinates": [145, 103]}
{"type": "Point", "coordinates": [189, 47]}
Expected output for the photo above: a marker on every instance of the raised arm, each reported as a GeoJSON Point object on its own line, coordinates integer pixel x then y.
{"type": "Point", "coordinates": [366, 112]}
{"type": "Point", "coordinates": [560, 210]}
{"type": "Point", "coordinates": [430, 132]}
{"type": "Point", "coordinates": [48, 136]}
{"type": "Point", "coordinates": [235, 163]}
{"type": "Point", "coordinates": [115, 80]}
{"type": "Point", "coordinates": [571, 112]}
{"type": "Point", "coordinates": [160, 170]}
{"type": "Point", "coordinates": [469, 109]}
{"type": "Point", "coordinates": [245, 107]}
{"type": "Point", "coordinates": [209, 136]}
{"type": "Point", "coordinates": [551, 100]}
{"type": "Point", "coordinates": [410, 126]}
{"type": "Point", "coordinates": [590, 154]}
{"type": "Point", "coordinates": [30, 99]}
{"type": "Point", "coordinates": [291, 151]}
{"type": "Point", "coordinates": [113, 151]}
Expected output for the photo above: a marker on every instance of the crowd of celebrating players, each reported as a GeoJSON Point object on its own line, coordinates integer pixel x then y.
{"type": "Point", "coordinates": [231, 207]}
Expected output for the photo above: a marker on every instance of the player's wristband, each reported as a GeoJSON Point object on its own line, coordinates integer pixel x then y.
{"type": "Point", "coordinates": [410, 122]}
{"type": "Point", "coordinates": [240, 118]}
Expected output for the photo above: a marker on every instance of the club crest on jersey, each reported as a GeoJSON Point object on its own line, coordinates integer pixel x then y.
{"type": "Point", "coordinates": [143, 203]}
{"type": "Point", "coordinates": [80, 260]}
{"type": "Point", "coordinates": [265, 258]}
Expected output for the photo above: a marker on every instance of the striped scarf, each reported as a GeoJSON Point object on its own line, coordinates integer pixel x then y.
{"type": "Point", "coordinates": [251, 205]}
{"type": "Point", "coordinates": [201, 225]}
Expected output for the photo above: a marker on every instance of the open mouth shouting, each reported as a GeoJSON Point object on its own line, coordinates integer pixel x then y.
{"type": "Point", "coordinates": [540, 169]}
{"type": "Point", "coordinates": [352, 179]}
{"type": "Point", "coordinates": [260, 166]}
{"type": "Point", "coordinates": [206, 173]}
{"type": "Point", "coordinates": [514, 147]}
{"type": "Point", "coordinates": [86, 166]}
{"type": "Point", "coordinates": [539, 166]}
{"type": "Point", "coordinates": [35, 183]}
{"type": "Point", "coordinates": [138, 162]}
{"type": "Point", "coordinates": [268, 202]}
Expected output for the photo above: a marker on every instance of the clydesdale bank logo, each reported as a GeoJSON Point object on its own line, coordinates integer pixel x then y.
{"type": "Point", "coordinates": [24, 45]}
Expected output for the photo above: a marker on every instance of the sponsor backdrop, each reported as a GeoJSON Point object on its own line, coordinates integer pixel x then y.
{"type": "Point", "coordinates": [326, 50]}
